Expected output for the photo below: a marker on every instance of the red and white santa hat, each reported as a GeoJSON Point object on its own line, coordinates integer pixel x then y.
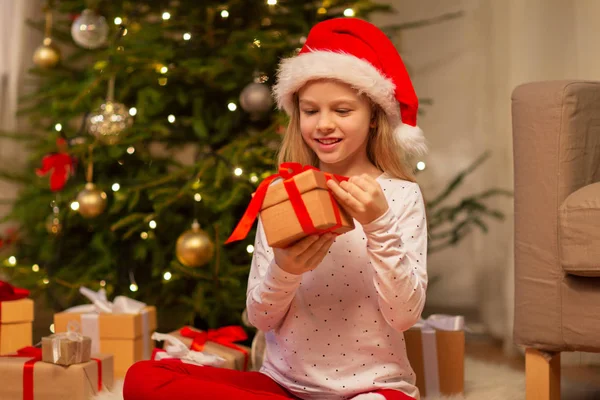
{"type": "Point", "coordinates": [360, 54]}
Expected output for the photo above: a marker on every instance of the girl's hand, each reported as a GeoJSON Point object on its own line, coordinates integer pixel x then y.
{"type": "Point", "coordinates": [361, 196]}
{"type": "Point", "coordinates": [304, 255]}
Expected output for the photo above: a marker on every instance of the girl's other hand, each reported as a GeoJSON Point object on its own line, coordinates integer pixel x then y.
{"type": "Point", "coordinates": [361, 196]}
{"type": "Point", "coordinates": [304, 255]}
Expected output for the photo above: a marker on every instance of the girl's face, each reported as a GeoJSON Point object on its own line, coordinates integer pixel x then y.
{"type": "Point", "coordinates": [334, 121]}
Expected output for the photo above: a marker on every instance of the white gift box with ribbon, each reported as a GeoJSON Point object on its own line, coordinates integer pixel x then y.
{"type": "Point", "coordinates": [122, 327]}
{"type": "Point", "coordinates": [436, 349]}
{"type": "Point", "coordinates": [175, 348]}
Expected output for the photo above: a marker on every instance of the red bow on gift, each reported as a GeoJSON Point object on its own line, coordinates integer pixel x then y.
{"type": "Point", "coordinates": [225, 336]}
{"type": "Point", "coordinates": [9, 293]}
{"type": "Point", "coordinates": [287, 171]}
{"type": "Point", "coordinates": [61, 164]}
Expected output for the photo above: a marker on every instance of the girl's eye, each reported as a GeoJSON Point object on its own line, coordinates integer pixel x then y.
{"type": "Point", "coordinates": [342, 111]}
{"type": "Point", "coordinates": [309, 112]}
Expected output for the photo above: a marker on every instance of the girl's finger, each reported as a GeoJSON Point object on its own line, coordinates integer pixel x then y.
{"type": "Point", "coordinates": [356, 191]}
{"type": "Point", "coordinates": [343, 196]}
{"type": "Point", "coordinates": [320, 254]}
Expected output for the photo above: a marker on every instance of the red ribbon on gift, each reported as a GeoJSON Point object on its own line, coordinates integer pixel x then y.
{"type": "Point", "coordinates": [225, 336]}
{"type": "Point", "coordinates": [9, 292]}
{"type": "Point", "coordinates": [287, 171]}
{"type": "Point", "coordinates": [35, 353]}
{"type": "Point", "coordinates": [99, 362]}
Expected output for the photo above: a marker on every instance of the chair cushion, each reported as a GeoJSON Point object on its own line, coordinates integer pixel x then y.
{"type": "Point", "coordinates": [579, 230]}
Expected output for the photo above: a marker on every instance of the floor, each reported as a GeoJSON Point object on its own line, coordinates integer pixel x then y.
{"type": "Point", "coordinates": [578, 382]}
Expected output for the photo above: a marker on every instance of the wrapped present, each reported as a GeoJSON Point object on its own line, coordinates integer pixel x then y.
{"type": "Point", "coordinates": [299, 205]}
{"type": "Point", "coordinates": [66, 348]}
{"type": "Point", "coordinates": [436, 352]}
{"type": "Point", "coordinates": [24, 377]}
{"type": "Point", "coordinates": [16, 316]}
{"type": "Point", "coordinates": [175, 349]}
{"type": "Point", "coordinates": [122, 327]}
{"type": "Point", "coordinates": [218, 342]}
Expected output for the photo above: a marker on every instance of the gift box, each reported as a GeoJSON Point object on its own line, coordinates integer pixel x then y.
{"type": "Point", "coordinates": [126, 336]}
{"type": "Point", "coordinates": [436, 351]}
{"type": "Point", "coordinates": [26, 377]}
{"type": "Point", "coordinates": [299, 205]}
{"type": "Point", "coordinates": [66, 348]}
{"type": "Point", "coordinates": [16, 317]}
{"type": "Point", "coordinates": [218, 342]}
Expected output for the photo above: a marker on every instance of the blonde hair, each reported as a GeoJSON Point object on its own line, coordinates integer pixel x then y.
{"type": "Point", "coordinates": [383, 149]}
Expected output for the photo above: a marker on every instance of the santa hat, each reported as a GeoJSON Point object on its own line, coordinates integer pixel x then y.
{"type": "Point", "coordinates": [358, 53]}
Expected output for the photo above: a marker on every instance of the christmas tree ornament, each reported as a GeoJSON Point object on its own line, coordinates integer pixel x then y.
{"type": "Point", "coordinates": [90, 30]}
{"type": "Point", "coordinates": [60, 165]}
{"type": "Point", "coordinates": [109, 121]}
{"type": "Point", "coordinates": [47, 55]}
{"type": "Point", "coordinates": [92, 201]}
{"type": "Point", "coordinates": [194, 247]}
{"type": "Point", "coordinates": [256, 98]}
{"type": "Point", "coordinates": [53, 224]}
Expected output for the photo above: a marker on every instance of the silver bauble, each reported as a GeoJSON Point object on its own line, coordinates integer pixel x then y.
{"type": "Point", "coordinates": [90, 30]}
{"type": "Point", "coordinates": [256, 98]}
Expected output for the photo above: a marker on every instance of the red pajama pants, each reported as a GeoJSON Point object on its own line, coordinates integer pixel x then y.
{"type": "Point", "coordinates": [170, 380]}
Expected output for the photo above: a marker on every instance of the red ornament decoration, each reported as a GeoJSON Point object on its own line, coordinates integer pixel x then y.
{"type": "Point", "coordinates": [60, 165]}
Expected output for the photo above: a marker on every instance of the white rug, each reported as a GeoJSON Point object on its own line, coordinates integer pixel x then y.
{"type": "Point", "coordinates": [483, 381]}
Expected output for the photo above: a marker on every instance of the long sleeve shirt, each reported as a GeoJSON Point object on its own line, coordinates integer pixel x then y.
{"type": "Point", "coordinates": [337, 331]}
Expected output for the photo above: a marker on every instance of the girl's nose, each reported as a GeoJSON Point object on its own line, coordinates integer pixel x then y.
{"type": "Point", "coordinates": [325, 124]}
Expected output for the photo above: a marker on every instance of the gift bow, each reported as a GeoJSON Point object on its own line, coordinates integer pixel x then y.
{"type": "Point", "coordinates": [175, 348]}
{"type": "Point", "coordinates": [100, 304]}
{"type": "Point", "coordinates": [428, 328]}
{"type": "Point", "coordinates": [287, 171]}
{"type": "Point", "coordinates": [225, 336]}
{"type": "Point", "coordinates": [9, 292]}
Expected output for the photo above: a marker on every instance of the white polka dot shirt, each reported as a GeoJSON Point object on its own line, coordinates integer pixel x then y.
{"type": "Point", "coordinates": [336, 331]}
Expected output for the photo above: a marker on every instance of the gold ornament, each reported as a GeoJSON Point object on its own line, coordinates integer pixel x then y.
{"type": "Point", "coordinates": [53, 224]}
{"type": "Point", "coordinates": [194, 247]}
{"type": "Point", "coordinates": [92, 201]}
{"type": "Point", "coordinates": [47, 55]}
{"type": "Point", "coordinates": [109, 122]}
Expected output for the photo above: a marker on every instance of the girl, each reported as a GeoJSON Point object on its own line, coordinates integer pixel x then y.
{"type": "Point", "coordinates": [333, 308]}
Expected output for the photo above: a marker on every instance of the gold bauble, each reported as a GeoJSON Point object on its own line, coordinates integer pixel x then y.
{"type": "Point", "coordinates": [92, 201]}
{"type": "Point", "coordinates": [194, 247]}
{"type": "Point", "coordinates": [53, 224]}
{"type": "Point", "coordinates": [47, 55]}
{"type": "Point", "coordinates": [109, 121]}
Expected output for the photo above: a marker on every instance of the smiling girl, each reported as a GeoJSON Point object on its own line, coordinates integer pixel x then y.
{"type": "Point", "coordinates": [333, 309]}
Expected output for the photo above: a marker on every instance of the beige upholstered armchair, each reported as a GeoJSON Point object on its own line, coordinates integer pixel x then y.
{"type": "Point", "coordinates": [556, 145]}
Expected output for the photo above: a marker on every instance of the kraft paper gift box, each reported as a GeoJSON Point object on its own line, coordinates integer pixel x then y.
{"type": "Point", "coordinates": [123, 328]}
{"type": "Point", "coordinates": [26, 377]}
{"type": "Point", "coordinates": [16, 316]}
{"type": "Point", "coordinates": [219, 342]}
{"type": "Point", "coordinates": [436, 352]}
{"type": "Point", "coordinates": [299, 205]}
{"type": "Point", "coordinates": [66, 348]}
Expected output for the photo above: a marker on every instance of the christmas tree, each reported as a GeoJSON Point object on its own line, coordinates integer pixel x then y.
{"type": "Point", "coordinates": [152, 125]}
